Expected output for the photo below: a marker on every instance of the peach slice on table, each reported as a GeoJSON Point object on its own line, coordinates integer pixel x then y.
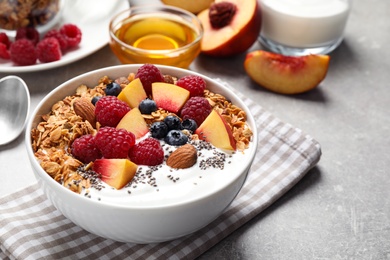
{"type": "Point", "coordinates": [134, 122]}
{"type": "Point", "coordinates": [169, 96]}
{"type": "Point", "coordinates": [216, 131]}
{"type": "Point", "coordinates": [286, 74]}
{"type": "Point", "coordinates": [230, 27]}
{"type": "Point", "coordinates": [115, 172]}
{"type": "Point", "coordinates": [133, 93]}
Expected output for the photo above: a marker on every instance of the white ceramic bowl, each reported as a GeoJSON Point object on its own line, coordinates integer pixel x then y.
{"type": "Point", "coordinates": [147, 224]}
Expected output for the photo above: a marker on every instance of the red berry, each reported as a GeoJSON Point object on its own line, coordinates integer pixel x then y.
{"type": "Point", "coordinates": [72, 34]}
{"type": "Point", "coordinates": [23, 52]}
{"type": "Point", "coordinates": [114, 143]}
{"type": "Point", "coordinates": [61, 39]}
{"type": "Point", "coordinates": [4, 52]}
{"type": "Point", "coordinates": [194, 84]}
{"type": "Point", "coordinates": [148, 73]}
{"type": "Point", "coordinates": [109, 110]}
{"type": "Point", "coordinates": [85, 149]}
{"type": "Point", "coordinates": [196, 108]}
{"type": "Point", "coordinates": [4, 39]}
{"type": "Point", "coordinates": [48, 50]}
{"type": "Point", "coordinates": [29, 33]}
{"type": "Point", "coordinates": [147, 152]}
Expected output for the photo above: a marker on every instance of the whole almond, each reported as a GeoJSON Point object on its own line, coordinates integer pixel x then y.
{"type": "Point", "coordinates": [85, 109]}
{"type": "Point", "coordinates": [183, 157]}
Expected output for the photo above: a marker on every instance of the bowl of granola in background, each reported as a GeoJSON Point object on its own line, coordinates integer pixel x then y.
{"type": "Point", "coordinates": [42, 15]}
{"type": "Point", "coordinates": [160, 203]}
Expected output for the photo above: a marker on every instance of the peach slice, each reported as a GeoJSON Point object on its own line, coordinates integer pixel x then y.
{"type": "Point", "coordinates": [169, 96]}
{"type": "Point", "coordinates": [216, 131]}
{"type": "Point", "coordinates": [233, 35]}
{"type": "Point", "coordinates": [133, 93]}
{"type": "Point", "coordinates": [191, 6]}
{"type": "Point", "coordinates": [286, 74]}
{"type": "Point", "coordinates": [134, 122]}
{"type": "Point", "coordinates": [115, 172]}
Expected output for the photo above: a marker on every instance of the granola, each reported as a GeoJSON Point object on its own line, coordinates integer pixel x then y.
{"type": "Point", "coordinates": [23, 13]}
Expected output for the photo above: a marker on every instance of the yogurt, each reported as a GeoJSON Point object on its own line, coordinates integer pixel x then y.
{"type": "Point", "coordinates": [215, 170]}
{"type": "Point", "coordinates": [162, 185]}
{"type": "Point", "coordinates": [304, 23]}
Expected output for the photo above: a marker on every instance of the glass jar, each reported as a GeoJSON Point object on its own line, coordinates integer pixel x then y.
{"type": "Point", "coordinates": [302, 27]}
{"type": "Point", "coordinates": [17, 14]}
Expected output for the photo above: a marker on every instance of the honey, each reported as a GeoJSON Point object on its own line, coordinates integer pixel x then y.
{"type": "Point", "coordinates": [156, 39]}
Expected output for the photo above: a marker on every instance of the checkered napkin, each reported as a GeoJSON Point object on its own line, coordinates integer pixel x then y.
{"type": "Point", "coordinates": [31, 227]}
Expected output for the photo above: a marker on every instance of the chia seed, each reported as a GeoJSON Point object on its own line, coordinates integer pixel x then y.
{"type": "Point", "coordinates": [216, 161]}
{"type": "Point", "coordinates": [93, 177]}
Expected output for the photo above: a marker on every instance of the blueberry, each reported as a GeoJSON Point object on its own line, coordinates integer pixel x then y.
{"type": "Point", "coordinates": [189, 124]}
{"type": "Point", "coordinates": [176, 137]}
{"type": "Point", "coordinates": [173, 122]}
{"type": "Point", "coordinates": [95, 99]}
{"type": "Point", "coordinates": [113, 89]}
{"type": "Point", "coordinates": [147, 106]}
{"type": "Point", "coordinates": [159, 130]}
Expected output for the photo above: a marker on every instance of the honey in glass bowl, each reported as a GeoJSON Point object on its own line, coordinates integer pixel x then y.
{"type": "Point", "coordinates": [158, 35]}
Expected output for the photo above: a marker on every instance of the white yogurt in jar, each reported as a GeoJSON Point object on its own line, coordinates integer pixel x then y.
{"type": "Point", "coordinates": [304, 23]}
{"type": "Point", "coordinates": [163, 185]}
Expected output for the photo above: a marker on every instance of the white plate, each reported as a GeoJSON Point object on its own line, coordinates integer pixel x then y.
{"type": "Point", "coordinates": [92, 17]}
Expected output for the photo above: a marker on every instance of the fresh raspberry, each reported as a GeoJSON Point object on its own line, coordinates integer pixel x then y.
{"type": "Point", "coordinates": [85, 149]}
{"type": "Point", "coordinates": [72, 34]}
{"type": "Point", "coordinates": [147, 152]}
{"type": "Point", "coordinates": [109, 110]}
{"type": "Point", "coordinates": [196, 108]}
{"type": "Point", "coordinates": [23, 52]}
{"type": "Point", "coordinates": [4, 39]}
{"type": "Point", "coordinates": [194, 84]}
{"type": "Point", "coordinates": [4, 52]}
{"type": "Point", "coordinates": [114, 143]}
{"type": "Point", "coordinates": [148, 73]}
{"type": "Point", "coordinates": [48, 50]}
{"type": "Point", "coordinates": [61, 39]}
{"type": "Point", "coordinates": [29, 33]}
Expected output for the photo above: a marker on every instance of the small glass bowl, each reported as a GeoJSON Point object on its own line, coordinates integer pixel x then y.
{"type": "Point", "coordinates": [42, 15]}
{"type": "Point", "coordinates": [156, 34]}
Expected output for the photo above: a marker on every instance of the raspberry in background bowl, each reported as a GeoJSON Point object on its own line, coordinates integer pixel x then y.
{"type": "Point", "coordinates": [155, 217]}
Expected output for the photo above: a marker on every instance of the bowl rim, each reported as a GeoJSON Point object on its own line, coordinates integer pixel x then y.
{"type": "Point", "coordinates": [78, 80]}
{"type": "Point", "coordinates": [158, 8]}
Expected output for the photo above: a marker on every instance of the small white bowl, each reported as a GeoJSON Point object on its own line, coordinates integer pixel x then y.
{"type": "Point", "coordinates": [146, 224]}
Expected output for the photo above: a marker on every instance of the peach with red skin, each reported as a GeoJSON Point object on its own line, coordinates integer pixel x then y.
{"type": "Point", "coordinates": [237, 36]}
{"type": "Point", "coordinates": [134, 122]}
{"type": "Point", "coordinates": [216, 131]}
{"type": "Point", "coordinates": [115, 172]}
{"type": "Point", "coordinates": [169, 96]}
{"type": "Point", "coordinates": [286, 74]}
{"type": "Point", "coordinates": [133, 93]}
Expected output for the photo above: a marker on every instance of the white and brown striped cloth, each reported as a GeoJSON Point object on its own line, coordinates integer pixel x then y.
{"type": "Point", "coordinates": [32, 228]}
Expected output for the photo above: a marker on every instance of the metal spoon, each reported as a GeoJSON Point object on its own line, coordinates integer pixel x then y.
{"type": "Point", "coordinates": [14, 108]}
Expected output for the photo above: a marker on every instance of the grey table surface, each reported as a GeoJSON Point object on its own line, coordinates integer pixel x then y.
{"type": "Point", "coordinates": [341, 208]}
